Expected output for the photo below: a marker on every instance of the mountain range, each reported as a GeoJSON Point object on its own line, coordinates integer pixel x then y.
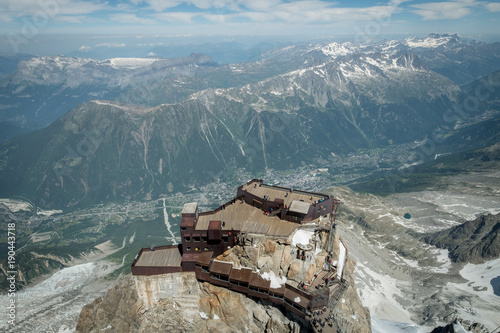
{"type": "Point", "coordinates": [166, 126]}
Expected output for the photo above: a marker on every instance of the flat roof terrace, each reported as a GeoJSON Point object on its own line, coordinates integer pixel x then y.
{"type": "Point", "coordinates": [273, 192]}
{"type": "Point", "coordinates": [248, 219]}
{"type": "Point", "coordinates": [170, 257]}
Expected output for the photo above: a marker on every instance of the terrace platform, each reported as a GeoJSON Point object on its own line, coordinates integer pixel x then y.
{"type": "Point", "coordinates": [161, 260]}
{"type": "Point", "coordinates": [248, 219]}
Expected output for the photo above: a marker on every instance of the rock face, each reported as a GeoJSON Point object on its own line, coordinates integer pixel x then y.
{"type": "Point", "coordinates": [349, 313]}
{"type": "Point", "coordinates": [460, 326]}
{"type": "Point", "coordinates": [280, 257]}
{"type": "Point", "coordinates": [179, 303]}
{"type": "Point", "coordinates": [119, 310]}
{"type": "Point", "coordinates": [473, 241]}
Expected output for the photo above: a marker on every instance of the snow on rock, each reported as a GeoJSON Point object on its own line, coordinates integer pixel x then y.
{"type": "Point", "coordinates": [480, 277]}
{"type": "Point", "coordinates": [384, 326]}
{"type": "Point", "coordinates": [302, 237]}
{"type": "Point", "coordinates": [203, 315]}
{"type": "Point", "coordinates": [130, 63]}
{"type": "Point", "coordinates": [428, 42]}
{"type": "Point", "coordinates": [380, 293]}
{"type": "Point", "coordinates": [65, 280]}
{"type": "Point", "coordinates": [336, 49]}
{"type": "Point", "coordinates": [16, 205]}
{"type": "Point", "coordinates": [276, 282]}
{"type": "Point", "coordinates": [459, 328]}
{"type": "Point", "coordinates": [341, 261]}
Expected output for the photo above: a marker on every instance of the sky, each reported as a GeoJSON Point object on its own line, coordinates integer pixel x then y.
{"type": "Point", "coordinates": [22, 22]}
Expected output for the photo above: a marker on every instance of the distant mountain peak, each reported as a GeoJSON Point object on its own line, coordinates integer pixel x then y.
{"type": "Point", "coordinates": [339, 49]}
{"type": "Point", "coordinates": [432, 41]}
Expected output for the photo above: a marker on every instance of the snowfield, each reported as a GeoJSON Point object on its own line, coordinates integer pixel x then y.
{"type": "Point", "coordinates": [59, 298]}
{"type": "Point", "coordinates": [410, 286]}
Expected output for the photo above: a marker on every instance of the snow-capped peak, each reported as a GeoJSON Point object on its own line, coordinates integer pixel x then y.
{"type": "Point", "coordinates": [431, 41]}
{"type": "Point", "coordinates": [336, 49]}
{"type": "Point", "coordinates": [129, 63]}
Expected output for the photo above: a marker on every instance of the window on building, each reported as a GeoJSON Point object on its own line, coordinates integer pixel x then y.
{"type": "Point", "coordinates": [188, 248]}
{"type": "Point", "coordinates": [206, 249]}
{"type": "Point", "coordinates": [187, 239]}
{"type": "Point", "coordinates": [196, 239]}
{"type": "Point", "coordinates": [183, 228]}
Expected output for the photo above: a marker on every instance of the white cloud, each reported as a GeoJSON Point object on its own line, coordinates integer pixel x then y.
{"type": "Point", "coordinates": [111, 45]}
{"type": "Point", "coordinates": [161, 5]}
{"type": "Point", "coordinates": [304, 11]}
{"type": "Point", "coordinates": [20, 8]}
{"type": "Point", "coordinates": [72, 18]}
{"type": "Point", "coordinates": [493, 7]}
{"type": "Point", "coordinates": [5, 18]}
{"type": "Point", "coordinates": [150, 44]}
{"type": "Point", "coordinates": [131, 19]}
{"type": "Point", "coordinates": [449, 10]}
{"type": "Point", "coordinates": [177, 17]}
{"type": "Point", "coordinates": [314, 11]}
{"type": "Point", "coordinates": [158, 5]}
{"type": "Point", "coordinates": [84, 48]}
{"type": "Point", "coordinates": [260, 5]}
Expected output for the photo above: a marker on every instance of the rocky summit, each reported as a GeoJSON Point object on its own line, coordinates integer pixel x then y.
{"type": "Point", "coordinates": [474, 241]}
{"type": "Point", "coordinates": [178, 302]}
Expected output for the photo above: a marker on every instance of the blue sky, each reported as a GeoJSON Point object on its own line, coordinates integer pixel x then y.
{"type": "Point", "coordinates": [22, 20]}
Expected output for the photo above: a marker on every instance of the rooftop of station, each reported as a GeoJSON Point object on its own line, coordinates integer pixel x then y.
{"type": "Point", "coordinates": [288, 195]}
{"type": "Point", "coordinates": [160, 257]}
{"type": "Point", "coordinates": [248, 219]}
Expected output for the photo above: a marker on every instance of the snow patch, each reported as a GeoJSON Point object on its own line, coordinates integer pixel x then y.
{"type": "Point", "coordinates": [480, 277]}
{"type": "Point", "coordinates": [16, 205]}
{"type": "Point", "coordinates": [427, 42]}
{"type": "Point", "coordinates": [49, 212]}
{"type": "Point", "coordinates": [335, 49]}
{"type": "Point", "coordinates": [342, 257]}
{"type": "Point", "coordinates": [296, 299]}
{"type": "Point", "coordinates": [203, 315]}
{"type": "Point", "coordinates": [384, 326]}
{"type": "Point", "coordinates": [276, 282]}
{"type": "Point", "coordinates": [302, 237]}
{"type": "Point", "coordinates": [459, 328]}
{"type": "Point", "coordinates": [130, 63]}
{"type": "Point", "coordinates": [379, 292]}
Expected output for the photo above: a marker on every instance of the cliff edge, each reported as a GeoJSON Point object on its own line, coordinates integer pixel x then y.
{"type": "Point", "coordinates": [178, 302]}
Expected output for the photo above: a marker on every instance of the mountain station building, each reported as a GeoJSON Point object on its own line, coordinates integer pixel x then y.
{"type": "Point", "coordinates": [259, 211]}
